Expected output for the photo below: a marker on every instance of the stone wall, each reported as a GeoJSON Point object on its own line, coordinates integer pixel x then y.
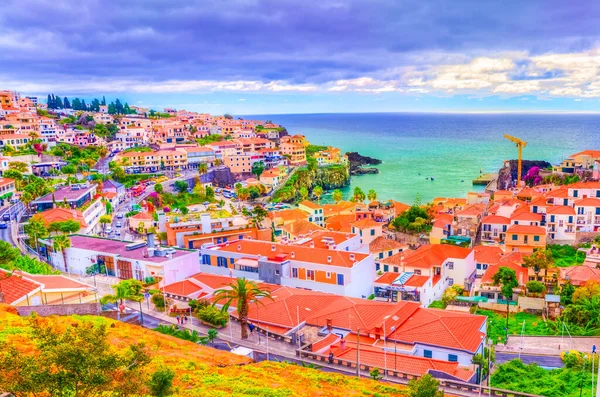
{"type": "Point", "coordinates": [60, 310]}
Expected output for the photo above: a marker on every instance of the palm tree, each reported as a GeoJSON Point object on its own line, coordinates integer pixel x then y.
{"type": "Point", "coordinates": [372, 195]}
{"type": "Point", "coordinates": [126, 290]}
{"type": "Point", "coordinates": [337, 195]}
{"type": "Point", "coordinates": [303, 192]}
{"type": "Point", "coordinates": [36, 229]}
{"type": "Point", "coordinates": [318, 191]}
{"type": "Point", "coordinates": [61, 243]}
{"type": "Point", "coordinates": [243, 292]}
{"type": "Point", "coordinates": [202, 168]}
{"type": "Point", "coordinates": [218, 162]}
{"type": "Point", "coordinates": [102, 151]}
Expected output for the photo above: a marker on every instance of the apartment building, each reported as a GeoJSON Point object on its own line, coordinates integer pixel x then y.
{"type": "Point", "coordinates": [314, 210]}
{"type": "Point", "coordinates": [318, 269]}
{"type": "Point", "coordinates": [493, 229]}
{"type": "Point", "coordinates": [200, 225]}
{"type": "Point", "coordinates": [296, 153]}
{"type": "Point", "coordinates": [153, 161]}
{"type": "Point", "coordinates": [587, 214]}
{"type": "Point", "coordinates": [7, 188]}
{"type": "Point", "coordinates": [525, 238]}
{"type": "Point", "coordinates": [424, 274]}
{"type": "Point", "coordinates": [199, 155]}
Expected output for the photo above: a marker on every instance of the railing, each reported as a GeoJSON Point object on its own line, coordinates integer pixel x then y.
{"type": "Point", "coordinates": [402, 377]}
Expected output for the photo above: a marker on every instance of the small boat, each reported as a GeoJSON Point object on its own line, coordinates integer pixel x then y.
{"type": "Point", "coordinates": [432, 178]}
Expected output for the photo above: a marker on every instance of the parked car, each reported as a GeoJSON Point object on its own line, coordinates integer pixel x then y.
{"type": "Point", "coordinates": [108, 230]}
{"type": "Point", "coordinates": [120, 215]}
{"type": "Point", "coordinates": [118, 224]}
{"type": "Point", "coordinates": [118, 233]}
{"type": "Point", "coordinates": [6, 217]}
{"type": "Point", "coordinates": [3, 225]}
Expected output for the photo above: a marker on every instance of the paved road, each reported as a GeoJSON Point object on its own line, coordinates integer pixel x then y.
{"type": "Point", "coordinates": [543, 361]}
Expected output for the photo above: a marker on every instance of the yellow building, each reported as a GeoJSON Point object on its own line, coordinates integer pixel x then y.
{"type": "Point", "coordinates": [525, 238]}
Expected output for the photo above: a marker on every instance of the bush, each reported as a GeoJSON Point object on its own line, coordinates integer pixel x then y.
{"type": "Point", "coordinates": [535, 287]}
{"type": "Point", "coordinates": [213, 316]}
{"type": "Point", "coordinates": [198, 304]}
{"type": "Point", "coordinates": [159, 301]}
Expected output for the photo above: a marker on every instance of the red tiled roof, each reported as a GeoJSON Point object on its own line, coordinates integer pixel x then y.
{"type": "Point", "coordinates": [382, 243]}
{"type": "Point", "coordinates": [560, 210]}
{"type": "Point", "coordinates": [182, 288]}
{"type": "Point", "coordinates": [416, 281]}
{"type": "Point", "coordinates": [15, 286]}
{"type": "Point", "coordinates": [366, 223]}
{"type": "Point", "coordinates": [57, 282]}
{"type": "Point", "coordinates": [526, 216]}
{"type": "Point", "coordinates": [387, 278]}
{"type": "Point", "coordinates": [579, 275]}
{"type": "Point", "coordinates": [310, 205]}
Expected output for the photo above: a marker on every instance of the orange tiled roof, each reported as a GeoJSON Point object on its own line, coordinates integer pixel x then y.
{"type": "Point", "coordinates": [416, 281]}
{"type": "Point", "coordinates": [526, 229]}
{"type": "Point", "coordinates": [310, 204]}
{"type": "Point", "coordinates": [387, 278]}
{"type": "Point", "coordinates": [16, 286]}
{"type": "Point", "coordinates": [526, 216]}
{"type": "Point", "coordinates": [366, 223]}
{"type": "Point", "coordinates": [340, 223]}
{"type": "Point", "coordinates": [428, 255]}
{"type": "Point", "coordinates": [301, 227]}
{"type": "Point", "coordinates": [301, 253]}
{"type": "Point", "coordinates": [488, 254]}
{"type": "Point", "coordinates": [62, 215]}
{"type": "Point", "coordinates": [382, 243]}
{"type": "Point", "coordinates": [560, 210]}
{"type": "Point", "coordinates": [588, 202]}
{"type": "Point", "coordinates": [495, 220]}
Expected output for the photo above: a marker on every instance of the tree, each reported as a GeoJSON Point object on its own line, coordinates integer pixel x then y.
{"type": "Point", "coordinates": [66, 103]}
{"type": "Point", "coordinates": [590, 289]}
{"type": "Point", "coordinates": [507, 278]}
{"type": "Point", "coordinates": [35, 230]}
{"type": "Point", "coordinates": [259, 214]}
{"type": "Point", "coordinates": [318, 191]}
{"type": "Point", "coordinates": [17, 176]}
{"type": "Point", "coordinates": [126, 290]}
{"type": "Point", "coordinates": [243, 194]}
{"type": "Point", "coordinates": [540, 259]}
{"type": "Point", "coordinates": [71, 360]}
{"type": "Point", "coordinates": [8, 254]}
{"type": "Point", "coordinates": [228, 116]}
{"type": "Point", "coordinates": [426, 386]}
{"type": "Point", "coordinates": [258, 168]}
{"type": "Point", "coordinates": [158, 188]}
{"type": "Point", "coordinates": [105, 220]}
{"type": "Point", "coordinates": [202, 168]}
{"type": "Point", "coordinates": [161, 383]}
{"type": "Point", "coordinates": [337, 196]}
{"type": "Point", "coordinates": [414, 219]}
{"type": "Point", "coordinates": [49, 102]}
{"type": "Point", "coordinates": [244, 293]}
{"type": "Point", "coordinates": [210, 193]}
{"type": "Point", "coordinates": [484, 360]}
{"type": "Point", "coordinates": [358, 195]}
{"type": "Point", "coordinates": [253, 192]}
{"type": "Point", "coordinates": [375, 374]}
{"type": "Point", "coordinates": [18, 165]}
{"type": "Point", "coordinates": [58, 102]}
{"type": "Point", "coordinates": [566, 293]}
{"type": "Point", "coordinates": [372, 195]}
{"type": "Point", "coordinates": [60, 244]}
{"type": "Point", "coordinates": [212, 335]}
{"type": "Point", "coordinates": [303, 191]}
{"type": "Point", "coordinates": [218, 162]}
{"type": "Point", "coordinates": [181, 186]}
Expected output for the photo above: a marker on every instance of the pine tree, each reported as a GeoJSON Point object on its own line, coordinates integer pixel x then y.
{"type": "Point", "coordinates": [76, 104]}
{"type": "Point", "coordinates": [118, 106]}
{"type": "Point", "coordinates": [49, 102]}
{"type": "Point", "coordinates": [126, 108]}
{"type": "Point", "coordinates": [95, 106]}
{"type": "Point", "coordinates": [58, 104]}
{"type": "Point", "coordinates": [66, 103]}
{"type": "Point", "coordinates": [111, 108]}
{"type": "Point", "coordinates": [103, 103]}
{"type": "Point", "coordinates": [83, 105]}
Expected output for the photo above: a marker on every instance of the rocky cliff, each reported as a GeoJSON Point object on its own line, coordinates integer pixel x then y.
{"type": "Point", "coordinates": [357, 163]}
{"type": "Point", "coordinates": [508, 173]}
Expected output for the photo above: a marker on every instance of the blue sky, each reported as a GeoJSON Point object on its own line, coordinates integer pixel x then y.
{"type": "Point", "coordinates": [294, 56]}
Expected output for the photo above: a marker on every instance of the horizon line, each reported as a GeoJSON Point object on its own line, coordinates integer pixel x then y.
{"type": "Point", "coordinates": [590, 112]}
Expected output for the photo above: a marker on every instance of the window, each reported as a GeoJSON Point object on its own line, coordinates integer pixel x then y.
{"type": "Point", "coordinates": [566, 202]}
{"type": "Point", "coordinates": [551, 218]}
{"type": "Point", "coordinates": [450, 281]}
{"type": "Point", "coordinates": [597, 210]}
{"type": "Point", "coordinates": [515, 237]}
{"type": "Point", "coordinates": [453, 358]}
{"type": "Point", "coordinates": [328, 274]}
{"type": "Point", "coordinates": [310, 275]}
{"type": "Point", "coordinates": [427, 353]}
{"type": "Point", "coordinates": [206, 259]}
{"type": "Point", "coordinates": [417, 272]}
{"type": "Point", "coordinates": [386, 268]}
{"type": "Point", "coordinates": [479, 266]}
{"type": "Point", "coordinates": [221, 261]}
{"type": "Point", "coordinates": [536, 238]}
{"type": "Point", "coordinates": [396, 269]}
{"type": "Point", "coordinates": [372, 232]}
{"type": "Point", "coordinates": [575, 193]}
{"type": "Point", "coordinates": [240, 237]}
{"type": "Point", "coordinates": [571, 218]}
{"type": "Point", "coordinates": [295, 272]}
{"type": "Point", "coordinates": [535, 209]}
{"type": "Point", "coordinates": [450, 265]}
{"type": "Point", "coordinates": [381, 255]}
{"type": "Point", "coordinates": [277, 272]}
{"type": "Point", "coordinates": [340, 279]}
{"type": "Point", "coordinates": [390, 253]}
{"type": "Point", "coordinates": [231, 260]}
{"type": "Point", "coordinates": [377, 265]}
{"type": "Point", "coordinates": [580, 211]}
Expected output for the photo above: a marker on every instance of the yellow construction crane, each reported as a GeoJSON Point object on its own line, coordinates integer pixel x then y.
{"type": "Point", "coordinates": [520, 145]}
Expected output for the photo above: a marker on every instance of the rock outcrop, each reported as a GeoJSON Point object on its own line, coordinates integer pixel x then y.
{"type": "Point", "coordinates": [508, 173]}
{"type": "Point", "coordinates": [358, 161]}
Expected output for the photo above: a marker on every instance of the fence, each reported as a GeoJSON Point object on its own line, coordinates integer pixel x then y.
{"type": "Point", "coordinates": [61, 310]}
{"type": "Point", "coordinates": [467, 389]}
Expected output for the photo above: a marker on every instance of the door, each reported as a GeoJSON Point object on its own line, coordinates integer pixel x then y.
{"type": "Point", "coordinates": [124, 270]}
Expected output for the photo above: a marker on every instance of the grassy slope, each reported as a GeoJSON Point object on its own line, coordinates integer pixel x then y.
{"type": "Point", "coordinates": [202, 371]}
{"type": "Point", "coordinates": [534, 325]}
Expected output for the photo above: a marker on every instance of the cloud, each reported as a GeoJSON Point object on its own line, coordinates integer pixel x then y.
{"type": "Point", "coordinates": [412, 47]}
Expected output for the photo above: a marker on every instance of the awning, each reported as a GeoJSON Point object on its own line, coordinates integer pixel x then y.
{"type": "Point", "coordinates": [247, 262]}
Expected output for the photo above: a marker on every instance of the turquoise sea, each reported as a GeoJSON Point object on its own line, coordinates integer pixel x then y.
{"type": "Point", "coordinates": [451, 148]}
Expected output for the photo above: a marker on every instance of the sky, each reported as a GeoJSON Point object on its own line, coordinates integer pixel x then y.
{"type": "Point", "coordinates": [298, 56]}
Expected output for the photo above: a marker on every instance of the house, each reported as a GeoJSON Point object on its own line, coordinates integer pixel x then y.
{"type": "Point", "coordinates": [126, 259]}
{"type": "Point", "coordinates": [492, 292]}
{"type": "Point", "coordinates": [560, 224]}
{"type": "Point", "coordinates": [486, 256]}
{"type": "Point", "coordinates": [587, 214]}
{"type": "Point", "coordinates": [525, 238]}
{"type": "Point", "coordinates": [7, 188]}
{"type": "Point", "coordinates": [202, 224]}
{"type": "Point", "coordinates": [24, 289]}
{"type": "Point", "coordinates": [443, 265]}
{"type": "Point", "coordinates": [319, 269]}
{"type": "Point", "coordinates": [112, 186]}
{"type": "Point", "coordinates": [75, 195]}
{"type": "Point", "coordinates": [367, 229]}
{"type": "Point", "coordinates": [383, 247]}
{"type": "Point", "coordinates": [297, 230]}
{"type": "Point", "coordinates": [493, 229]}
{"type": "Point", "coordinates": [62, 215]}
{"type": "Point", "coordinates": [314, 210]}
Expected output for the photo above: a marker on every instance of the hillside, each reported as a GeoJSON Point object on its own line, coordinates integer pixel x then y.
{"type": "Point", "coordinates": [202, 371]}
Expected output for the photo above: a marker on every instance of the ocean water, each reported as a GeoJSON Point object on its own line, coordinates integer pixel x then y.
{"type": "Point", "coordinates": [451, 148]}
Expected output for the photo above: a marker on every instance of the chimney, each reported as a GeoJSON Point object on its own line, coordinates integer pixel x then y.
{"type": "Point", "coordinates": [150, 239]}
{"type": "Point", "coordinates": [329, 325]}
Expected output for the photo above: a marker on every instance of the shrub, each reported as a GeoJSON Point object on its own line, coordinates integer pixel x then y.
{"type": "Point", "coordinates": [213, 316]}
{"type": "Point", "coordinates": [198, 304]}
{"type": "Point", "coordinates": [159, 301]}
{"type": "Point", "coordinates": [535, 287]}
